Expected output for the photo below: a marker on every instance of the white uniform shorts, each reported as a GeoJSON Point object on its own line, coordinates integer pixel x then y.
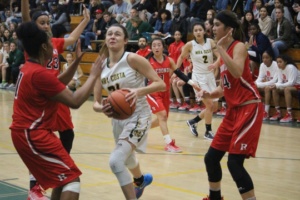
{"type": "Point", "coordinates": [207, 82]}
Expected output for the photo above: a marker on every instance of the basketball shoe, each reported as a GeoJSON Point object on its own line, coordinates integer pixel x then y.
{"type": "Point", "coordinates": [184, 106]}
{"type": "Point", "coordinates": [171, 147]}
{"type": "Point", "coordinates": [266, 116]}
{"type": "Point", "coordinates": [174, 105]}
{"type": "Point", "coordinates": [222, 112]}
{"type": "Point", "coordinates": [193, 127]}
{"type": "Point", "coordinates": [140, 189]}
{"type": "Point", "coordinates": [275, 117]}
{"type": "Point", "coordinates": [287, 118]}
{"type": "Point", "coordinates": [195, 108]}
{"type": "Point", "coordinates": [209, 135]}
{"type": "Point", "coordinates": [37, 193]}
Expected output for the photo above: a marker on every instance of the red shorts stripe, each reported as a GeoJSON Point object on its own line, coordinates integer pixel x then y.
{"type": "Point", "coordinates": [159, 101]}
{"type": "Point", "coordinates": [45, 157]}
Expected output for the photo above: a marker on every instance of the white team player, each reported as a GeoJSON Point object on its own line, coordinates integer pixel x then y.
{"type": "Point", "coordinates": [127, 70]}
{"type": "Point", "coordinates": [202, 51]}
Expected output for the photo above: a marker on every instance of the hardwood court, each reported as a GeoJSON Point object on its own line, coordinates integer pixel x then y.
{"type": "Point", "coordinates": [275, 171]}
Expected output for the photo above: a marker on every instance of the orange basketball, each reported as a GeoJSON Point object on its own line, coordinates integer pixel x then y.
{"type": "Point", "coordinates": [121, 108]}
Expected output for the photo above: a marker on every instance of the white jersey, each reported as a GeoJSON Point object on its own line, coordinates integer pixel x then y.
{"type": "Point", "coordinates": [290, 76]}
{"type": "Point", "coordinates": [267, 75]}
{"type": "Point", "coordinates": [122, 75]}
{"type": "Point", "coordinates": [201, 56]}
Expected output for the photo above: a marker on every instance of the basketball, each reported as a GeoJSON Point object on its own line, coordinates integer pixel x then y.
{"type": "Point", "coordinates": [121, 108]}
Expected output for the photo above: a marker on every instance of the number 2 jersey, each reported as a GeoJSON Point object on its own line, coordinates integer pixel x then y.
{"type": "Point", "coordinates": [242, 89]}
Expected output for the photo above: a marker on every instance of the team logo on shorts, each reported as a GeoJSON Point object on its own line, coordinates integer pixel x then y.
{"type": "Point", "coordinates": [243, 146]}
{"type": "Point", "coordinates": [62, 177]}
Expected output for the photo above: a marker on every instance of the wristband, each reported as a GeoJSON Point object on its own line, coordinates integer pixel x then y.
{"type": "Point", "coordinates": [190, 82]}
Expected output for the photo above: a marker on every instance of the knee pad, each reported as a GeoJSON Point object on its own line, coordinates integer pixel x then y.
{"type": "Point", "coordinates": [119, 156]}
{"type": "Point", "coordinates": [131, 161]}
{"type": "Point", "coordinates": [239, 174]}
{"type": "Point", "coordinates": [212, 162]}
{"type": "Point", "coordinates": [72, 187]}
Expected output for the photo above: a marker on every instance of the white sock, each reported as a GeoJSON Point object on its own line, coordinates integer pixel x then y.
{"type": "Point", "coordinates": [178, 100]}
{"type": "Point", "coordinates": [31, 177]}
{"type": "Point", "coordinates": [167, 139]}
{"type": "Point", "coordinates": [90, 47]}
{"type": "Point", "coordinates": [289, 110]}
{"type": "Point", "coordinates": [267, 108]}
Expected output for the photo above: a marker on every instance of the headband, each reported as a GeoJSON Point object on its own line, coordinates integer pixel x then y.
{"type": "Point", "coordinates": [224, 18]}
{"type": "Point", "coordinates": [38, 14]}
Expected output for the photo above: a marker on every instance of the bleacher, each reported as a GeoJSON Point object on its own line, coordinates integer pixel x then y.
{"type": "Point", "coordinates": [90, 57]}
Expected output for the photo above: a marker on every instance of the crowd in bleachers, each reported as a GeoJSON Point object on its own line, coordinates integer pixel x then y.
{"type": "Point", "coordinates": [270, 26]}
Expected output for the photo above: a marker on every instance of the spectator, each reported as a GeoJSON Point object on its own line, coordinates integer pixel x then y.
{"type": "Point", "coordinates": [140, 28]}
{"type": "Point", "coordinates": [60, 24]}
{"type": "Point", "coordinates": [199, 10]}
{"type": "Point", "coordinates": [296, 8]}
{"type": "Point", "coordinates": [281, 33]}
{"type": "Point", "coordinates": [288, 82]}
{"type": "Point", "coordinates": [210, 14]}
{"type": "Point", "coordinates": [108, 21]}
{"type": "Point", "coordinates": [169, 5]}
{"type": "Point", "coordinates": [145, 5]}
{"type": "Point", "coordinates": [96, 33]}
{"type": "Point", "coordinates": [179, 24]}
{"type": "Point", "coordinates": [75, 82]}
{"type": "Point", "coordinates": [15, 59]}
{"type": "Point", "coordinates": [184, 9]}
{"type": "Point", "coordinates": [95, 5]}
{"type": "Point", "coordinates": [4, 54]}
{"type": "Point", "coordinates": [264, 21]}
{"type": "Point", "coordinates": [267, 77]}
{"type": "Point", "coordinates": [6, 35]}
{"type": "Point", "coordinates": [119, 10]}
{"type": "Point", "coordinates": [286, 12]}
{"type": "Point", "coordinates": [258, 43]}
{"type": "Point", "coordinates": [209, 23]}
{"type": "Point", "coordinates": [269, 4]}
{"type": "Point", "coordinates": [144, 48]}
{"type": "Point", "coordinates": [163, 24]}
{"type": "Point", "coordinates": [247, 20]}
{"type": "Point", "coordinates": [130, 29]}
{"type": "Point", "coordinates": [221, 5]}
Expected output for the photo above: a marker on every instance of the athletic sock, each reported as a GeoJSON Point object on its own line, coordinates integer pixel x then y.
{"type": "Point", "coordinates": [167, 139]}
{"type": "Point", "coordinates": [32, 181]}
{"type": "Point", "coordinates": [208, 127]}
{"type": "Point", "coordinates": [139, 181]}
{"type": "Point", "coordinates": [267, 108]}
{"type": "Point", "coordinates": [215, 195]}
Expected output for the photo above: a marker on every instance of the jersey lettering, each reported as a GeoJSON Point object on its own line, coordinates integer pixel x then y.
{"type": "Point", "coordinates": [226, 83]}
{"type": "Point", "coordinates": [113, 88]}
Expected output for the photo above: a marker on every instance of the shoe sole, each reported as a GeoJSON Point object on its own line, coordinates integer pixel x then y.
{"type": "Point", "coordinates": [208, 138]}
{"type": "Point", "coordinates": [191, 129]}
{"type": "Point", "coordinates": [173, 151]}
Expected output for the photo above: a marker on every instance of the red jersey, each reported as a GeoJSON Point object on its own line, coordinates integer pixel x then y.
{"type": "Point", "coordinates": [33, 108]}
{"type": "Point", "coordinates": [238, 90]}
{"type": "Point", "coordinates": [175, 50]}
{"type": "Point", "coordinates": [144, 52]}
{"type": "Point", "coordinates": [162, 69]}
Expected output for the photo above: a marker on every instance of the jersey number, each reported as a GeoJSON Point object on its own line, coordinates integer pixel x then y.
{"type": "Point", "coordinates": [226, 83]}
{"type": "Point", "coordinates": [113, 88]}
{"type": "Point", "coordinates": [53, 63]}
{"type": "Point", "coordinates": [204, 59]}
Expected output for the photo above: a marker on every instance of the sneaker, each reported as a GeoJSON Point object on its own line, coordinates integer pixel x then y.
{"type": "Point", "coordinates": [140, 189]}
{"type": "Point", "coordinates": [287, 118]}
{"type": "Point", "coordinates": [207, 198]}
{"type": "Point", "coordinates": [184, 106]}
{"type": "Point", "coordinates": [193, 127]}
{"type": "Point", "coordinates": [175, 105]}
{"type": "Point", "coordinates": [275, 117]}
{"type": "Point", "coordinates": [222, 112]}
{"type": "Point", "coordinates": [195, 108]}
{"type": "Point", "coordinates": [3, 85]}
{"type": "Point", "coordinates": [266, 116]}
{"type": "Point", "coordinates": [37, 193]}
{"type": "Point", "coordinates": [11, 85]}
{"type": "Point", "coordinates": [209, 135]}
{"type": "Point", "coordinates": [171, 147]}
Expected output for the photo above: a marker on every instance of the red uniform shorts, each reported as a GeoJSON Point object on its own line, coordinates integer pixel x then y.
{"type": "Point", "coordinates": [64, 118]}
{"type": "Point", "coordinates": [159, 101]}
{"type": "Point", "coordinates": [240, 129]}
{"type": "Point", "coordinates": [45, 157]}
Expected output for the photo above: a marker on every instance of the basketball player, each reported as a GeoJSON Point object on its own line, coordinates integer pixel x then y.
{"type": "Point", "coordinates": [64, 121]}
{"type": "Point", "coordinates": [160, 101]}
{"type": "Point", "coordinates": [240, 129]}
{"type": "Point", "coordinates": [38, 92]}
{"type": "Point", "coordinates": [201, 51]}
{"type": "Point", "coordinates": [126, 70]}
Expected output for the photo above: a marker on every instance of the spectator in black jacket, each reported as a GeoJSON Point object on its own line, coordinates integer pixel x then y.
{"type": "Point", "coordinates": [108, 21]}
{"type": "Point", "coordinates": [199, 10]}
{"type": "Point", "coordinates": [179, 24]}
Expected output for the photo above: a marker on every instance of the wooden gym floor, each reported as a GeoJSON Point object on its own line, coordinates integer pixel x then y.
{"type": "Point", "coordinates": [275, 171]}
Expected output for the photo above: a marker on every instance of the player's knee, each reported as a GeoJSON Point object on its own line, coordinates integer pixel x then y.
{"type": "Point", "coordinates": [234, 169]}
{"type": "Point", "coordinates": [131, 162]}
{"type": "Point", "coordinates": [72, 187]}
{"type": "Point", "coordinates": [116, 162]}
{"type": "Point", "coordinates": [213, 169]}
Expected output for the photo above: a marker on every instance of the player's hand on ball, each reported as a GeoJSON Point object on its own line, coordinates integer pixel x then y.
{"type": "Point", "coordinates": [132, 95]}
{"type": "Point", "coordinates": [106, 108]}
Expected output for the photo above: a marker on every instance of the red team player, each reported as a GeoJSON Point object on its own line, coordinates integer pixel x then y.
{"type": "Point", "coordinates": [38, 92]}
{"type": "Point", "coordinates": [64, 122]}
{"type": "Point", "coordinates": [240, 129]}
{"type": "Point", "coordinates": [160, 101]}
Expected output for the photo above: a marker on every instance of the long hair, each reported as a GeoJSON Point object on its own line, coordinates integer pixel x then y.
{"type": "Point", "coordinates": [151, 54]}
{"type": "Point", "coordinates": [287, 59]}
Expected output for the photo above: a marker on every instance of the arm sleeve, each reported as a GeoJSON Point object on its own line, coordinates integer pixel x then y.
{"type": "Point", "coordinates": [181, 75]}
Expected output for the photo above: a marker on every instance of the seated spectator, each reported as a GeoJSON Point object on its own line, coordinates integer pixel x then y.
{"type": "Point", "coordinates": [178, 24]}
{"type": "Point", "coordinates": [296, 8]}
{"type": "Point", "coordinates": [169, 5]}
{"type": "Point", "coordinates": [4, 54]}
{"type": "Point", "coordinates": [269, 4]}
{"type": "Point", "coordinates": [221, 5]}
{"type": "Point", "coordinates": [60, 23]}
{"type": "Point", "coordinates": [145, 5]}
{"type": "Point", "coordinates": [258, 43]}
{"type": "Point", "coordinates": [108, 21]}
{"type": "Point", "coordinates": [77, 7]}
{"type": "Point", "coordinates": [163, 24]}
{"type": "Point", "coordinates": [247, 20]}
{"type": "Point", "coordinates": [95, 5]}
{"type": "Point", "coordinates": [199, 10]}
{"type": "Point", "coordinates": [184, 9]}
{"type": "Point", "coordinates": [140, 28]}
{"type": "Point", "coordinates": [267, 77]}
{"type": "Point", "coordinates": [286, 11]}
{"type": "Point", "coordinates": [107, 4]}
{"type": "Point", "coordinates": [281, 33]}
{"type": "Point", "coordinates": [96, 33]}
{"type": "Point", "coordinates": [209, 23]}
{"type": "Point", "coordinates": [119, 10]}
{"type": "Point", "coordinates": [264, 21]}
{"type": "Point", "coordinates": [6, 36]}
{"type": "Point", "coordinates": [288, 82]}
{"type": "Point", "coordinates": [75, 82]}
{"type": "Point", "coordinates": [128, 26]}
{"type": "Point", "coordinates": [211, 14]}
{"type": "Point", "coordinates": [15, 59]}
{"type": "Point", "coordinates": [144, 48]}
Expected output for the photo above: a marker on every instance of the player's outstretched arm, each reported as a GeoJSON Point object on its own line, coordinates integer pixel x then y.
{"type": "Point", "coordinates": [25, 11]}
